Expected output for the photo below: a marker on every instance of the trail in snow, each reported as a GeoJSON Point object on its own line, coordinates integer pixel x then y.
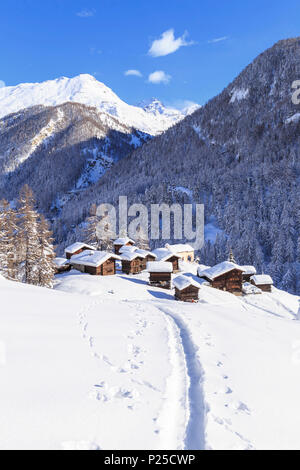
{"type": "Point", "coordinates": [174, 417]}
{"type": "Point", "coordinates": [190, 374]}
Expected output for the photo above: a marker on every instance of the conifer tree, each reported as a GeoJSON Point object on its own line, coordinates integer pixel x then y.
{"type": "Point", "coordinates": [90, 231]}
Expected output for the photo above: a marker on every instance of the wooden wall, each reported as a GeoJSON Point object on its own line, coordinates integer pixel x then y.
{"type": "Point", "coordinates": [263, 287]}
{"type": "Point", "coordinates": [231, 281]}
{"type": "Point", "coordinates": [189, 294]}
{"type": "Point", "coordinates": [160, 280]}
{"type": "Point", "coordinates": [132, 267]}
{"type": "Point", "coordinates": [69, 255]}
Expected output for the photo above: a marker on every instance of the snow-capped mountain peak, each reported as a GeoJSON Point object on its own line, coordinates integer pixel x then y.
{"type": "Point", "coordinates": [85, 89]}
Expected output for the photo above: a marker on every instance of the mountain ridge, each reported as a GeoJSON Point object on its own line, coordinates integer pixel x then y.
{"type": "Point", "coordinates": [85, 89]}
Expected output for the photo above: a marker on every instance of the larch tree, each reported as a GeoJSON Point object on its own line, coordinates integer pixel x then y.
{"type": "Point", "coordinates": [8, 234]}
{"type": "Point", "coordinates": [45, 266]}
{"type": "Point", "coordinates": [28, 237]}
{"type": "Point", "coordinates": [90, 231]}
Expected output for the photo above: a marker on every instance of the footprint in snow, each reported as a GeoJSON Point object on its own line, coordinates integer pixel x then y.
{"type": "Point", "coordinates": [106, 360]}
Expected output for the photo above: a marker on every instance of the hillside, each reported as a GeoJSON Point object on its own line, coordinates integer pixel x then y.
{"type": "Point", "coordinates": [239, 155]}
{"type": "Point", "coordinates": [60, 149]}
{"type": "Point", "coordinates": [103, 365]}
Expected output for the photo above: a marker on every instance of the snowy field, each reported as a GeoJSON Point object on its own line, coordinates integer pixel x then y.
{"type": "Point", "coordinates": [112, 363]}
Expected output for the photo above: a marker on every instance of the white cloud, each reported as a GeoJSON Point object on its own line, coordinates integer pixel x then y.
{"type": "Point", "coordinates": [133, 72]}
{"type": "Point", "coordinates": [2, 84]}
{"type": "Point", "coordinates": [223, 38]}
{"type": "Point", "coordinates": [184, 105]}
{"type": "Point", "coordinates": [168, 44]}
{"type": "Point", "coordinates": [86, 13]}
{"type": "Point", "coordinates": [159, 76]}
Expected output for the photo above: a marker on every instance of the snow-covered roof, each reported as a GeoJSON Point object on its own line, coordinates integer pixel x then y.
{"type": "Point", "coordinates": [159, 267]}
{"type": "Point", "coordinates": [127, 248]}
{"type": "Point", "coordinates": [182, 282]}
{"type": "Point", "coordinates": [145, 252]}
{"type": "Point", "coordinates": [92, 258]}
{"type": "Point", "coordinates": [180, 248]}
{"type": "Point", "coordinates": [261, 279]}
{"type": "Point", "coordinates": [123, 241]}
{"type": "Point", "coordinates": [163, 254]}
{"type": "Point", "coordinates": [60, 262]}
{"type": "Point", "coordinates": [250, 289]}
{"type": "Point", "coordinates": [249, 269]}
{"type": "Point", "coordinates": [219, 269]}
{"type": "Point", "coordinates": [129, 256]}
{"type": "Point", "coordinates": [77, 246]}
{"type": "Point", "coordinates": [201, 268]}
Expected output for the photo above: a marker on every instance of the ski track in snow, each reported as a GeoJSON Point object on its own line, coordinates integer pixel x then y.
{"type": "Point", "coordinates": [187, 374]}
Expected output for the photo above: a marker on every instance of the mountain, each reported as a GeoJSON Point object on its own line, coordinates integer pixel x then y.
{"type": "Point", "coordinates": [85, 89]}
{"type": "Point", "coordinates": [60, 149]}
{"type": "Point", "coordinates": [155, 107]}
{"type": "Point", "coordinates": [239, 155]}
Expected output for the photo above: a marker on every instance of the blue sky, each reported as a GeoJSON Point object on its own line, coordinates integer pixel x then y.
{"type": "Point", "coordinates": [49, 39]}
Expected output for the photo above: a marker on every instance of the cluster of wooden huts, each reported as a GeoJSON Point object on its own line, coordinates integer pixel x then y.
{"type": "Point", "coordinates": [230, 277]}
{"type": "Point", "coordinates": [161, 264]}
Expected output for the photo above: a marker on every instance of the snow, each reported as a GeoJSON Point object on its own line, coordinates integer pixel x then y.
{"type": "Point", "coordinates": [239, 94]}
{"type": "Point", "coordinates": [60, 262]}
{"type": "Point", "coordinates": [134, 249]}
{"type": "Point", "coordinates": [129, 256]}
{"type": "Point", "coordinates": [159, 267]}
{"type": "Point", "coordinates": [219, 269]}
{"type": "Point", "coordinates": [248, 269]}
{"type": "Point", "coordinates": [123, 241]}
{"type": "Point", "coordinates": [294, 118]}
{"type": "Point", "coordinates": [109, 362]}
{"type": "Point", "coordinates": [250, 289]}
{"type": "Point", "coordinates": [87, 90]}
{"type": "Point", "coordinates": [92, 258]}
{"type": "Point", "coordinates": [77, 246]}
{"type": "Point", "coordinates": [179, 248]}
{"type": "Point", "coordinates": [127, 248]}
{"type": "Point", "coordinates": [182, 282]}
{"type": "Point", "coordinates": [211, 231]}
{"type": "Point", "coordinates": [163, 254]}
{"type": "Point", "coordinates": [145, 253]}
{"type": "Point", "coordinates": [260, 279]}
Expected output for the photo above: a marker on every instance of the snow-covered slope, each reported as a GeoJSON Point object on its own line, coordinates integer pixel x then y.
{"type": "Point", "coordinates": [85, 89]}
{"type": "Point", "coordinates": [112, 363]}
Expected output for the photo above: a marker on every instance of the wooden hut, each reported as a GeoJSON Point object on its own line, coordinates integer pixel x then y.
{"type": "Point", "coordinates": [163, 254]}
{"type": "Point", "coordinates": [263, 281]}
{"type": "Point", "coordinates": [186, 289]}
{"type": "Point", "coordinates": [119, 242]}
{"type": "Point", "coordinates": [61, 265]}
{"type": "Point", "coordinates": [97, 263]}
{"type": "Point", "coordinates": [148, 256]}
{"type": "Point", "coordinates": [132, 262]}
{"type": "Point", "coordinates": [225, 276]}
{"type": "Point", "coordinates": [248, 272]}
{"type": "Point", "coordinates": [145, 254]}
{"type": "Point", "coordinates": [184, 250]}
{"type": "Point", "coordinates": [76, 249]}
{"type": "Point", "coordinates": [160, 273]}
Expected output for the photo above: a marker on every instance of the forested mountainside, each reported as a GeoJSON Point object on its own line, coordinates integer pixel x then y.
{"type": "Point", "coordinates": [61, 149]}
{"type": "Point", "coordinates": [239, 155]}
